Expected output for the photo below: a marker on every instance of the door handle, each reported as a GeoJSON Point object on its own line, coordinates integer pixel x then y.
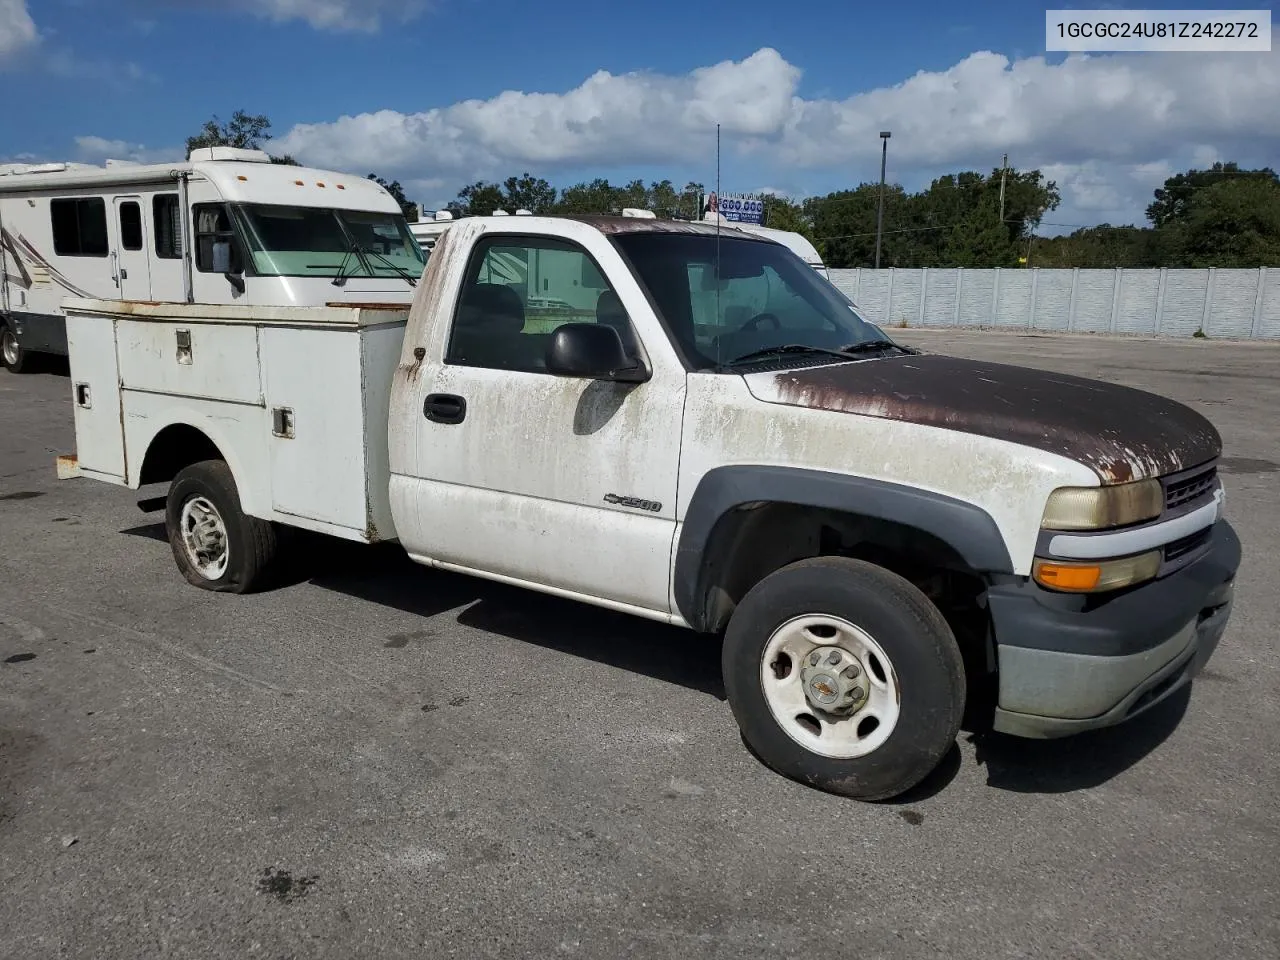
{"type": "Point", "coordinates": [445, 408]}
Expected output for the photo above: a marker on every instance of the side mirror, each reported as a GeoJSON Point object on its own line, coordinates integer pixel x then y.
{"type": "Point", "coordinates": [222, 264]}
{"type": "Point", "coordinates": [221, 256]}
{"type": "Point", "coordinates": [592, 351]}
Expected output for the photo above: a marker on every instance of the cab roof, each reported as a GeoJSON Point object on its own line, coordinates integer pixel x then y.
{"type": "Point", "coordinates": [608, 224]}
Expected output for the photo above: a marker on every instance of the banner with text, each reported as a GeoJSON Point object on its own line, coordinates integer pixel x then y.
{"type": "Point", "coordinates": [744, 208]}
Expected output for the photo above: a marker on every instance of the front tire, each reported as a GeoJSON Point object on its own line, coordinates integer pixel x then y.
{"type": "Point", "coordinates": [844, 676]}
{"type": "Point", "coordinates": [12, 354]}
{"type": "Point", "coordinates": [217, 546]}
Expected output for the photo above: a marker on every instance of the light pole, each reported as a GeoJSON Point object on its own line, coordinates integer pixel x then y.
{"type": "Point", "coordinates": [884, 156]}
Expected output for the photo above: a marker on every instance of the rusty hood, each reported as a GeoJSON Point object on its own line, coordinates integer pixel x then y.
{"type": "Point", "coordinates": [1119, 432]}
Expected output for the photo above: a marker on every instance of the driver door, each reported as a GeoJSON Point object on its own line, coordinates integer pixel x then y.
{"type": "Point", "coordinates": [537, 478]}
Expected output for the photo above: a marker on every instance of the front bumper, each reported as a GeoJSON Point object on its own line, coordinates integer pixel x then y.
{"type": "Point", "coordinates": [1066, 666]}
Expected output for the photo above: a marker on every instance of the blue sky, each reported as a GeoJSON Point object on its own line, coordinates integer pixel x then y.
{"type": "Point", "coordinates": [443, 92]}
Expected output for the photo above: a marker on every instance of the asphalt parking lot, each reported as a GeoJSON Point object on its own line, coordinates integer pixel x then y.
{"type": "Point", "coordinates": [385, 761]}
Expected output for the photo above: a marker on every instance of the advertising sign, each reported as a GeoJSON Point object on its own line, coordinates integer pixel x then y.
{"type": "Point", "coordinates": [745, 208]}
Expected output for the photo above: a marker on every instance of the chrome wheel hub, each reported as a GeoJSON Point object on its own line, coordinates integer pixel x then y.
{"type": "Point", "coordinates": [204, 537]}
{"type": "Point", "coordinates": [833, 680]}
{"type": "Point", "coordinates": [830, 686]}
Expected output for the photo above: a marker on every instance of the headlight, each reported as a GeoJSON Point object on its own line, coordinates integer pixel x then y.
{"type": "Point", "coordinates": [1097, 576]}
{"type": "Point", "coordinates": [1099, 508]}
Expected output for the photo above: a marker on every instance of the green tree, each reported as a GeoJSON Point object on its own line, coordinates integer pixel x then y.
{"type": "Point", "coordinates": [981, 239]}
{"type": "Point", "coordinates": [665, 201]}
{"type": "Point", "coordinates": [690, 198]}
{"type": "Point", "coordinates": [598, 196]}
{"type": "Point", "coordinates": [633, 194]}
{"type": "Point", "coordinates": [1233, 223]}
{"type": "Point", "coordinates": [244, 131]}
{"type": "Point", "coordinates": [1172, 203]}
{"type": "Point", "coordinates": [1100, 246]}
{"type": "Point", "coordinates": [409, 209]}
{"type": "Point", "coordinates": [844, 225]}
{"type": "Point", "coordinates": [530, 193]}
{"type": "Point", "coordinates": [780, 213]}
{"type": "Point", "coordinates": [478, 199]}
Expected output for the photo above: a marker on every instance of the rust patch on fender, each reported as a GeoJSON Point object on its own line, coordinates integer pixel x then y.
{"type": "Point", "coordinates": [1121, 433]}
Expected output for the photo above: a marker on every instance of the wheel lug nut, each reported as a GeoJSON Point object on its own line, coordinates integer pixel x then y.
{"type": "Point", "coordinates": [857, 693]}
{"type": "Point", "coordinates": [814, 658]}
{"type": "Point", "coordinates": [833, 657]}
{"type": "Point", "coordinates": [852, 671]}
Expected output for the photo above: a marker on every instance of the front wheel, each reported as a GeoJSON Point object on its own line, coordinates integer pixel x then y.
{"type": "Point", "coordinates": [844, 676]}
{"type": "Point", "coordinates": [216, 544]}
{"type": "Point", "coordinates": [12, 354]}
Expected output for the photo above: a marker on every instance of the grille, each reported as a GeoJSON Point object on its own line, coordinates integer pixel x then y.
{"type": "Point", "coordinates": [1189, 488]}
{"type": "Point", "coordinates": [1180, 548]}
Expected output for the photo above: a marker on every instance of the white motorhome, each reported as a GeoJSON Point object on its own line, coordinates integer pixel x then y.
{"type": "Point", "coordinates": [427, 232]}
{"type": "Point", "coordinates": [227, 226]}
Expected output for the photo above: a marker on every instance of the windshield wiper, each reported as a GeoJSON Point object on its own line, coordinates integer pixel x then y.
{"type": "Point", "coordinates": [404, 274]}
{"type": "Point", "coordinates": [783, 349]}
{"type": "Point", "coordinates": [339, 279]}
{"type": "Point", "coordinates": [867, 345]}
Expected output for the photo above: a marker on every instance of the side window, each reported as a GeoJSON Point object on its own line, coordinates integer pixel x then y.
{"type": "Point", "coordinates": [216, 245]}
{"type": "Point", "coordinates": [79, 227]}
{"type": "Point", "coordinates": [168, 226]}
{"type": "Point", "coordinates": [517, 291]}
{"type": "Point", "coordinates": [131, 225]}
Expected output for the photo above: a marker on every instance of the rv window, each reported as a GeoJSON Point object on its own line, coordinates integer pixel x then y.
{"type": "Point", "coordinates": [168, 221]}
{"type": "Point", "coordinates": [79, 227]}
{"type": "Point", "coordinates": [213, 225]}
{"type": "Point", "coordinates": [131, 225]}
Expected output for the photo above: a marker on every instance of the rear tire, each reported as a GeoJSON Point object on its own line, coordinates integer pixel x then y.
{"type": "Point", "coordinates": [217, 546]}
{"type": "Point", "coordinates": [13, 356]}
{"type": "Point", "coordinates": [881, 704]}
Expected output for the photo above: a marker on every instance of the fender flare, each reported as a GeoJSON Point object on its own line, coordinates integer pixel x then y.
{"type": "Point", "coordinates": [968, 529]}
{"type": "Point", "coordinates": [250, 501]}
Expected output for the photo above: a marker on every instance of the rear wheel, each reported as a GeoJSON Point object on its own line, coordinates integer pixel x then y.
{"type": "Point", "coordinates": [12, 354]}
{"type": "Point", "coordinates": [217, 546]}
{"type": "Point", "coordinates": [844, 676]}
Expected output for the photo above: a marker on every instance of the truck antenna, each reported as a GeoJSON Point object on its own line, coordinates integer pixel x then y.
{"type": "Point", "coordinates": [719, 316]}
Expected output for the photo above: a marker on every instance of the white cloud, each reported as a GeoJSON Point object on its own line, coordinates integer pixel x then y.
{"type": "Point", "coordinates": [1109, 128]}
{"type": "Point", "coordinates": [17, 30]}
{"type": "Point", "coordinates": [364, 16]}
{"type": "Point", "coordinates": [1123, 108]}
{"type": "Point", "coordinates": [93, 149]}
{"type": "Point", "coordinates": [630, 118]}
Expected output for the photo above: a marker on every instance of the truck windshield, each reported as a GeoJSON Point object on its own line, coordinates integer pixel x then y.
{"type": "Point", "coordinates": [760, 297]}
{"type": "Point", "coordinates": [317, 242]}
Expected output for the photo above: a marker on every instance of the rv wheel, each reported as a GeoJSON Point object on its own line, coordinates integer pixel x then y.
{"type": "Point", "coordinates": [12, 355]}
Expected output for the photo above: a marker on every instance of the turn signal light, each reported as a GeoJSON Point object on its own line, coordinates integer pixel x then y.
{"type": "Point", "coordinates": [1061, 576]}
{"type": "Point", "coordinates": [1099, 576]}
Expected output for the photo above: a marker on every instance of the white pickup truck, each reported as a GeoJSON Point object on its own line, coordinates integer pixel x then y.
{"type": "Point", "coordinates": [688, 424]}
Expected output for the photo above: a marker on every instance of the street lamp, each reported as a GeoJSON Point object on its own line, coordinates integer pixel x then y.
{"type": "Point", "coordinates": [884, 156]}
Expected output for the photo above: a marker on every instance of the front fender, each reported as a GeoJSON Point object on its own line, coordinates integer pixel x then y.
{"type": "Point", "coordinates": [968, 529]}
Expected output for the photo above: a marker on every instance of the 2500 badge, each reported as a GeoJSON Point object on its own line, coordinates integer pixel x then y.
{"type": "Point", "coordinates": [653, 506]}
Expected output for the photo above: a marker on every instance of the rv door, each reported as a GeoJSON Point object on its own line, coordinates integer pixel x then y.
{"type": "Point", "coordinates": [130, 255]}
